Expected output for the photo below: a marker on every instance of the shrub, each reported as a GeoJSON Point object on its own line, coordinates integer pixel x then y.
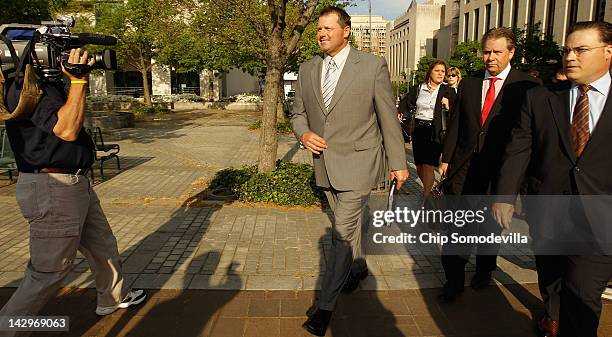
{"type": "Point", "coordinates": [176, 98]}
{"type": "Point", "coordinates": [290, 184]}
{"type": "Point", "coordinates": [247, 98]}
{"type": "Point", "coordinates": [232, 178]}
{"type": "Point", "coordinates": [110, 98]}
{"type": "Point", "coordinates": [281, 127]}
{"type": "Point", "coordinates": [155, 109]}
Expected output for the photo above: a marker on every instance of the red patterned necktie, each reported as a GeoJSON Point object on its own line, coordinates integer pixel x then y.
{"type": "Point", "coordinates": [489, 100]}
{"type": "Point", "coordinates": [580, 120]}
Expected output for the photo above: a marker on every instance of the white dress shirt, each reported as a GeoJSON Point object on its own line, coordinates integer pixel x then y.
{"type": "Point", "coordinates": [486, 83]}
{"type": "Point", "coordinates": [340, 60]}
{"type": "Point", "coordinates": [426, 102]}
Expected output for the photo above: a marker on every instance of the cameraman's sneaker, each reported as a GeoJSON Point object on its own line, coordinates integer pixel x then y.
{"type": "Point", "coordinates": [134, 297]}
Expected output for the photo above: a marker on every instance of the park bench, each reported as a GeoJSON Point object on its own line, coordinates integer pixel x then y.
{"type": "Point", "coordinates": [7, 159]}
{"type": "Point", "coordinates": [103, 152]}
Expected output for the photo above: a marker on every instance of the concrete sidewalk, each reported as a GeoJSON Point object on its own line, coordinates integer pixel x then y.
{"type": "Point", "coordinates": [171, 236]}
{"type": "Point", "coordinates": [233, 269]}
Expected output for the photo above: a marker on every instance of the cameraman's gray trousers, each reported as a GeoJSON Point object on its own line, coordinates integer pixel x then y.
{"type": "Point", "coordinates": [64, 215]}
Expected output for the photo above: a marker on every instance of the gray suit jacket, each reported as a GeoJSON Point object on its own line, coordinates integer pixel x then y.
{"type": "Point", "coordinates": [363, 134]}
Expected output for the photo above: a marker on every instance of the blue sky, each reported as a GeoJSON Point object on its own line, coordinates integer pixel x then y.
{"type": "Point", "coordinates": [390, 9]}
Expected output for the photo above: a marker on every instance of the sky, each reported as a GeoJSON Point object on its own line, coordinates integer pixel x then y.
{"type": "Point", "coordinates": [390, 9]}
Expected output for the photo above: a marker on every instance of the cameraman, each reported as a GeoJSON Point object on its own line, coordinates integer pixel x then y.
{"type": "Point", "coordinates": [53, 152]}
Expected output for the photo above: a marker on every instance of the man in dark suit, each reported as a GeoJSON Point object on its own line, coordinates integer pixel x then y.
{"type": "Point", "coordinates": [561, 141]}
{"type": "Point", "coordinates": [483, 114]}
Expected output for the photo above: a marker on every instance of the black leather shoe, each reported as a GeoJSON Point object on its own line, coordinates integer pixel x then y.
{"type": "Point", "coordinates": [481, 280]}
{"type": "Point", "coordinates": [353, 281]}
{"type": "Point", "coordinates": [450, 292]}
{"type": "Point", "coordinates": [311, 310]}
{"type": "Point", "coordinates": [318, 322]}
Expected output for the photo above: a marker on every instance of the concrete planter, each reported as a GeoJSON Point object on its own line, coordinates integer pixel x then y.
{"type": "Point", "coordinates": [110, 120]}
{"type": "Point", "coordinates": [164, 105]}
{"type": "Point", "coordinates": [112, 106]}
{"type": "Point", "coordinates": [244, 106]}
{"type": "Point", "coordinates": [215, 105]}
{"type": "Point", "coordinates": [188, 105]}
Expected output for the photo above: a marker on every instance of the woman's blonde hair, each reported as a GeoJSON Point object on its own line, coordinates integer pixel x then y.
{"type": "Point", "coordinates": [454, 71]}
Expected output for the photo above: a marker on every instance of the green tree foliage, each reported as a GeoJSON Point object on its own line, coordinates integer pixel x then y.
{"type": "Point", "coordinates": [466, 56]}
{"type": "Point", "coordinates": [535, 50]}
{"type": "Point", "coordinates": [267, 37]}
{"type": "Point", "coordinates": [422, 67]}
{"type": "Point", "coordinates": [140, 26]}
{"type": "Point", "coordinates": [34, 11]}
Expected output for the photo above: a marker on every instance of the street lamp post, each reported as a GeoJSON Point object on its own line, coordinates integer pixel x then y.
{"type": "Point", "coordinates": [370, 23]}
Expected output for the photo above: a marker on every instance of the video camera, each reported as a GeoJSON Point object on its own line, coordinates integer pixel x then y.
{"type": "Point", "coordinates": [49, 44]}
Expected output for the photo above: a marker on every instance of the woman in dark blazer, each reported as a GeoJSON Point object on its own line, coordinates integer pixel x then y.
{"type": "Point", "coordinates": [425, 109]}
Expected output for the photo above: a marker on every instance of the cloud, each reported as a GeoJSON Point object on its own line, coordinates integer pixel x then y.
{"type": "Point", "coordinates": [389, 9]}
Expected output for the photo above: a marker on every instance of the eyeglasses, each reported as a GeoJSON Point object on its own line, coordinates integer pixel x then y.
{"type": "Point", "coordinates": [578, 51]}
{"type": "Point", "coordinates": [452, 75]}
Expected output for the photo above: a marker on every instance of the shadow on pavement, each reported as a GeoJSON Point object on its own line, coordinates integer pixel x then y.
{"type": "Point", "coordinates": [499, 310]}
{"type": "Point", "coordinates": [175, 256]}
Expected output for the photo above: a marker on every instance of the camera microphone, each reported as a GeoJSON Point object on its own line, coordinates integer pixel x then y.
{"type": "Point", "coordinates": [89, 38]}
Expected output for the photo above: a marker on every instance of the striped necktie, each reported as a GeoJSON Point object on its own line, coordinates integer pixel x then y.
{"type": "Point", "coordinates": [580, 120]}
{"type": "Point", "coordinates": [328, 83]}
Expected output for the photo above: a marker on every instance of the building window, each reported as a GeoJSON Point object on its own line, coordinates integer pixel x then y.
{"type": "Point", "coordinates": [531, 14]}
{"type": "Point", "coordinates": [599, 10]}
{"type": "Point", "coordinates": [500, 13]}
{"type": "Point", "coordinates": [573, 13]}
{"type": "Point", "coordinates": [466, 26]}
{"type": "Point", "coordinates": [515, 9]}
{"type": "Point", "coordinates": [476, 22]}
{"type": "Point", "coordinates": [550, 18]}
{"type": "Point", "coordinates": [487, 24]}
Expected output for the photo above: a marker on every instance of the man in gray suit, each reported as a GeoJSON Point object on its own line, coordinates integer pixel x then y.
{"type": "Point", "coordinates": [344, 114]}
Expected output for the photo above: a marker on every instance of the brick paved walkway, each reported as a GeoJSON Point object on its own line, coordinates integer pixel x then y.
{"type": "Point", "coordinates": [173, 239]}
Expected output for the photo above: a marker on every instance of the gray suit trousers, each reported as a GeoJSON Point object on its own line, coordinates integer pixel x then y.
{"type": "Point", "coordinates": [350, 210]}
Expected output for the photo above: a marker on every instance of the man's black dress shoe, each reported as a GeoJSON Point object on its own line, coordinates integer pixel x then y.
{"type": "Point", "coordinates": [481, 280]}
{"type": "Point", "coordinates": [353, 281]}
{"type": "Point", "coordinates": [450, 292]}
{"type": "Point", "coordinates": [318, 322]}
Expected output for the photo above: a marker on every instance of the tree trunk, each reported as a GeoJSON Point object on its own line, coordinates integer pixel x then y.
{"type": "Point", "coordinates": [268, 143]}
{"type": "Point", "coordinates": [280, 104]}
{"type": "Point", "coordinates": [145, 82]}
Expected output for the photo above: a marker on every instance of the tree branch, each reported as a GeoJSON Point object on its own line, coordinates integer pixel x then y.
{"type": "Point", "coordinates": [300, 26]}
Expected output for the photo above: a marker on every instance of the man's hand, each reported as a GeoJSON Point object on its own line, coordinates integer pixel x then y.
{"type": "Point", "coordinates": [442, 169]}
{"type": "Point", "coordinates": [76, 58]}
{"type": "Point", "coordinates": [71, 115]}
{"type": "Point", "coordinates": [502, 213]}
{"type": "Point", "coordinates": [401, 176]}
{"type": "Point", "coordinates": [400, 116]}
{"type": "Point", "coordinates": [313, 142]}
{"type": "Point", "coordinates": [444, 102]}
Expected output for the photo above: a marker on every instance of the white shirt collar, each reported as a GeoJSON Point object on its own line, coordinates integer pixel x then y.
{"type": "Point", "coordinates": [601, 85]}
{"type": "Point", "coordinates": [340, 58]}
{"type": "Point", "coordinates": [502, 76]}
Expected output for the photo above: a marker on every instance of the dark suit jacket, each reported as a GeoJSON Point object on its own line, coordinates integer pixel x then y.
{"type": "Point", "coordinates": [541, 148]}
{"type": "Point", "coordinates": [409, 100]}
{"type": "Point", "coordinates": [475, 174]}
